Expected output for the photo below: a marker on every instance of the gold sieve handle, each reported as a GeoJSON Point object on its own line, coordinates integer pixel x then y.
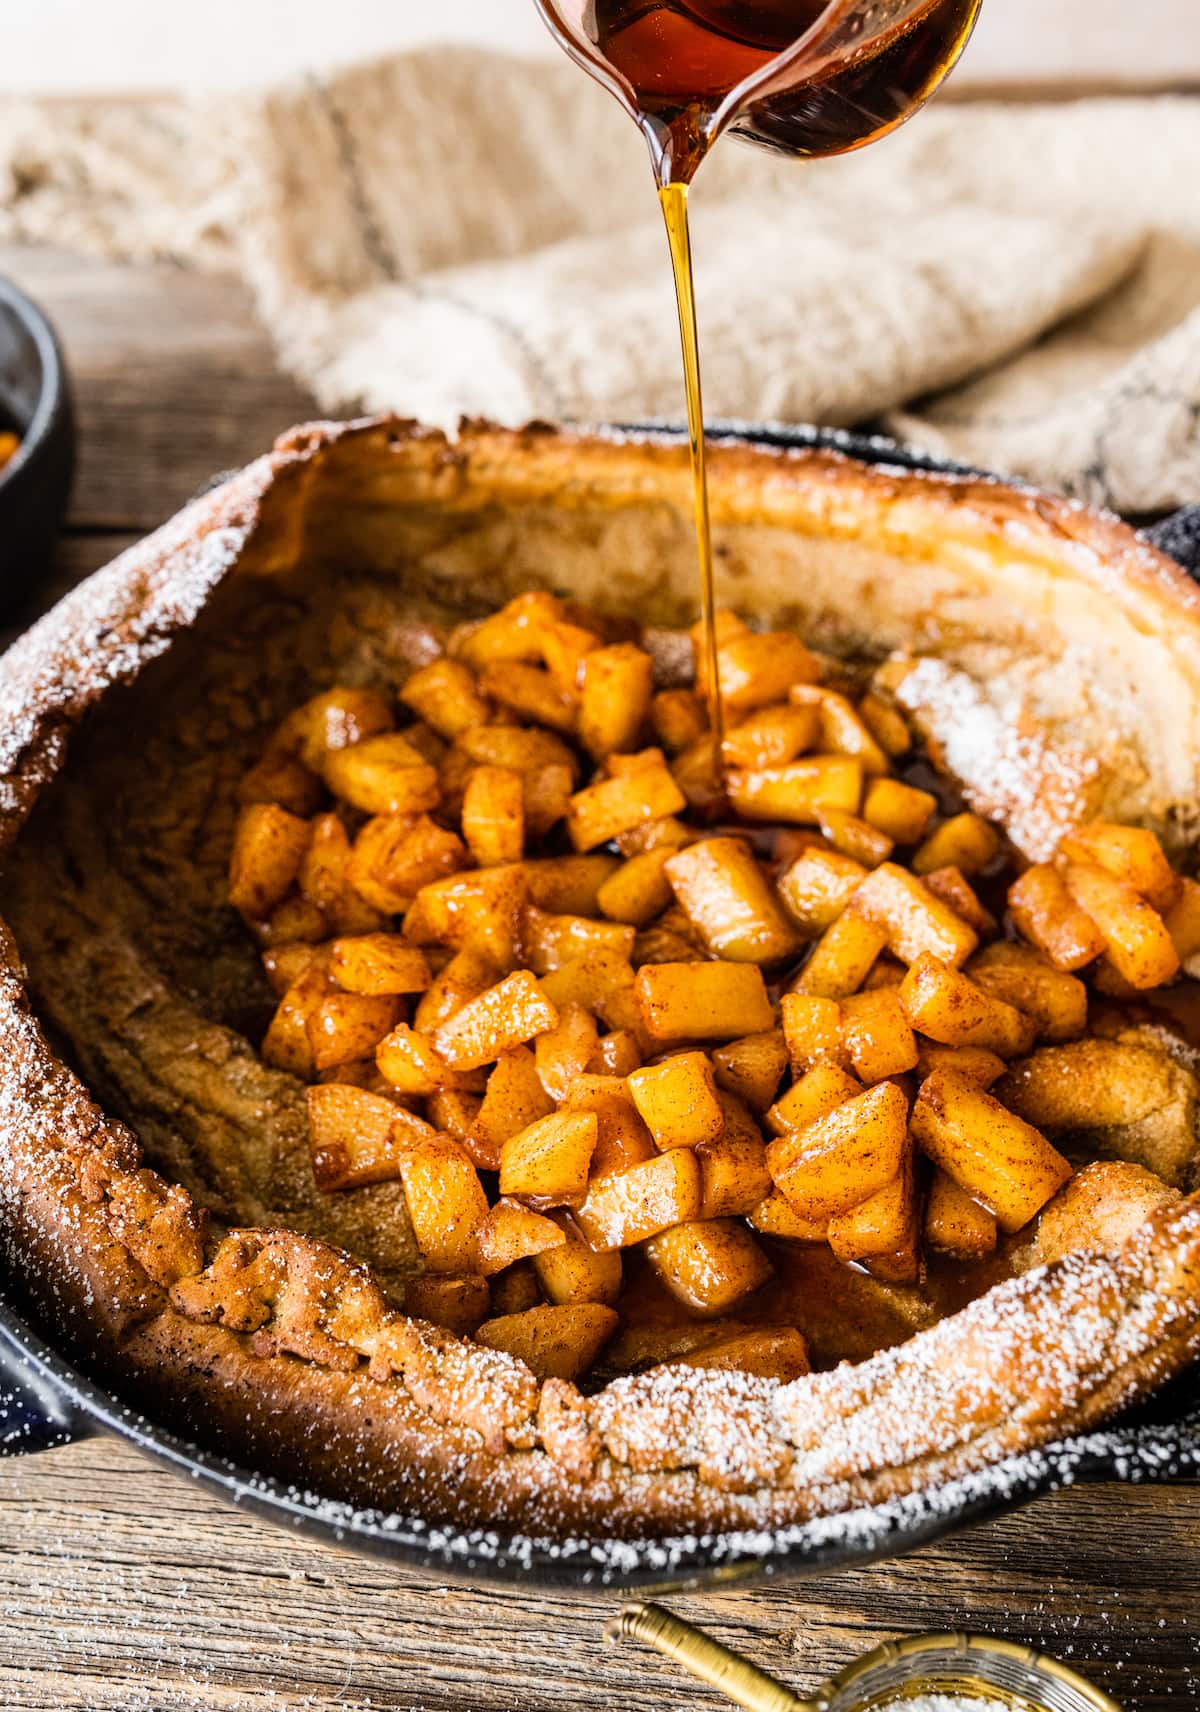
{"type": "Point", "coordinates": [729, 1673]}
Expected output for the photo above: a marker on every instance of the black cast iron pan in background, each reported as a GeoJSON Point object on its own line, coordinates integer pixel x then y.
{"type": "Point", "coordinates": [45, 1401]}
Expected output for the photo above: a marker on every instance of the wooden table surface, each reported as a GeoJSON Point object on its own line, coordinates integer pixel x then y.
{"type": "Point", "coordinates": [124, 1588]}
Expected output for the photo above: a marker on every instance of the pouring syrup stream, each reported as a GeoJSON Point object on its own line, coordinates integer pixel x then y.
{"type": "Point", "coordinates": [804, 77]}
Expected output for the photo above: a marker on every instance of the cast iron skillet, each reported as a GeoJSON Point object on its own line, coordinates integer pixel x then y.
{"type": "Point", "coordinates": [44, 1401]}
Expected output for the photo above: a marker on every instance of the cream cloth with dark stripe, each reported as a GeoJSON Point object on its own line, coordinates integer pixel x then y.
{"type": "Point", "coordinates": [448, 233]}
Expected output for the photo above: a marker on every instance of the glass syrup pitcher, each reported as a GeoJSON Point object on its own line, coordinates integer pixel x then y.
{"type": "Point", "coordinates": [805, 77]}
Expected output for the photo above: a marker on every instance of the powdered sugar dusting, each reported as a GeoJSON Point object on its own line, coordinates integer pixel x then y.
{"type": "Point", "coordinates": [1009, 771]}
{"type": "Point", "coordinates": [946, 1703]}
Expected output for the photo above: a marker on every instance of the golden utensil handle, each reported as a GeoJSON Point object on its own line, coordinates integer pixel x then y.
{"type": "Point", "coordinates": [732, 1675]}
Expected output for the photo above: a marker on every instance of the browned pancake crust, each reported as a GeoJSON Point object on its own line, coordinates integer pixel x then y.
{"type": "Point", "coordinates": [287, 1352]}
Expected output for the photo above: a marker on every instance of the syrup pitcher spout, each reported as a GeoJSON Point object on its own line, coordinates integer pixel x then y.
{"type": "Point", "coordinates": [802, 77]}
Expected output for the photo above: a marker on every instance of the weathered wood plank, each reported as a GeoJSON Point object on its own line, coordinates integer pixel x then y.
{"type": "Point", "coordinates": [144, 1590]}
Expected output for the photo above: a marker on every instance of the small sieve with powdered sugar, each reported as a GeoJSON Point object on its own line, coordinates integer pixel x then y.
{"type": "Point", "coordinates": [925, 1673]}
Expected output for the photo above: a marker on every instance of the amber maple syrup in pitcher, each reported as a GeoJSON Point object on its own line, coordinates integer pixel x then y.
{"type": "Point", "coordinates": [805, 77]}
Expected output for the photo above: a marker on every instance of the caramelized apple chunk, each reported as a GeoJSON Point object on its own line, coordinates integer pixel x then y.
{"type": "Point", "coordinates": [678, 1101]}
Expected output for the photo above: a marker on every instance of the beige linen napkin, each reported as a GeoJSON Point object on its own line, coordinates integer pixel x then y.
{"type": "Point", "coordinates": [459, 232]}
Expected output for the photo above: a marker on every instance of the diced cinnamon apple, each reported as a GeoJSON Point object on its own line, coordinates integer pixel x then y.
{"type": "Point", "coordinates": [446, 1203]}
{"type": "Point", "coordinates": [765, 1352]}
{"type": "Point", "coordinates": [639, 889]}
{"type": "Point", "coordinates": [336, 719]}
{"type": "Point", "coordinates": [564, 647]}
{"type": "Point", "coordinates": [530, 692]}
{"type": "Point", "coordinates": [617, 1054]}
{"type": "Point", "coordinates": [622, 1138]}
{"type": "Point", "coordinates": [947, 1006]}
{"type": "Point", "coordinates": [1129, 853]}
{"type": "Point", "coordinates": [876, 1035]}
{"type": "Point", "coordinates": [286, 1044]}
{"type": "Point", "coordinates": [482, 911]}
{"type": "Point", "coordinates": [678, 1100]}
{"type": "Point", "coordinates": [551, 941]}
{"type": "Point", "coordinates": [975, 1062]}
{"type": "Point", "coordinates": [733, 1171]}
{"type": "Point", "coordinates": [681, 1002]}
{"type": "Point", "coordinates": [554, 1342]}
{"type": "Point", "coordinates": [510, 1013]}
{"type": "Point", "coordinates": [965, 842]}
{"type": "Point", "coordinates": [813, 1096]}
{"type": "Point", "coordinates": [1057, 1002]}
{"type": "Point", "coordinates": [798, 791]}
{"type": "Point", "coordinates": [568, 885]}
{"type": "Point", "coordinates": [771, 737]}
{"type": "Point", "coordinates": [523, 748]}
{"type": "Point", "coordinates": [708, 1265]}
{"type": "Point", "coordinates": [844, 955]}
{"type": "Point", "coordinates": [383, 775]}
{"type": "Point", "coordinates": [513, 633]}
{"type": "Point", "coordinates": [601, 982]}
{"type": "Point", "coordinates": [626, 1207]}
{"type": "Point", "coordinates": [1048, 917]}
{"type": "Point", "coordinates": [457, 1301]}
{"type": "Point", "coordinates": [493, 815]}
{"type": "Point", "coordinates": [994, 1155]}
{"type": "Point", "coordinates": [285, 964]}
{"type": "Point", "coordinates": [754, 670]}
{"type": "Point", "coordinates": [268, 848]}
{"type": "Point", "coordinates": [1134, 935]}
{"type": "Point", "coordinates": [346, 1026]}
{"type": "Point", "coordinates": [573, 1272]}
{"type": "Point", "coordinates": [356, 1137]}
{"type": "Point", "coordinates": [775, 1216]}
{"type": "Point", "coordinates": [408, 1060]}
{"type": "Point", "coordinates": [883, 1228]}
{"type": "Point", "coordinates": [378, 964]}
{"type": "Point", "coordinates": [393, 857]}
{"type": "Point", "coordinates": [445, 695]}
{"type": "Point", "coordinates": [510, 1233]}
{"type": "Point", "coordinates": [563, 1053]}
{"type": "Point", "coordinates": [899, 810]}
{"type": "Point", "coordinates": [513, 1100]}
{"type": "Point", "coordinates": [952, 888]}
{"type": "Point", "coordinates": [912, 918]}
{"type": "Point", "coordinates": [955, 1224]}
{"type": "Point", "coordinates": [817, 886]}
{"type": "Point", "coordinates": [549, 1161]}
{"type": "Point", "coordinates": [843, 732]}
{"type": "Point", "coordinates": [725, 893]}
{"type": "Point", "coordinates": [455, 1113]}
{"type": "Point", "coordinates": [812, 1030]}
{"type": "Point", "coordinates": [854, 837]}
{"type": "Point", "coordinates": [324, 879]}
{"type": "Point", "coordinates": [463, 977]}
{"type": "Point", "coordinates": [615, 687]}
{"type": "Point", "coordinates": [886, 725]}
{"type": "Point", "coordinates": [599, 812]}
{"type": "Point", "coordinates": [679, 719]}
{"type": "Point", "coordinates": [752, 1067]}
{"type": "Point", "coordinates": [844, 1158]}
{"type": "Point", "coordinates": [515, 1290]}
{"type": "Point", "coordinates": [295, 920]}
